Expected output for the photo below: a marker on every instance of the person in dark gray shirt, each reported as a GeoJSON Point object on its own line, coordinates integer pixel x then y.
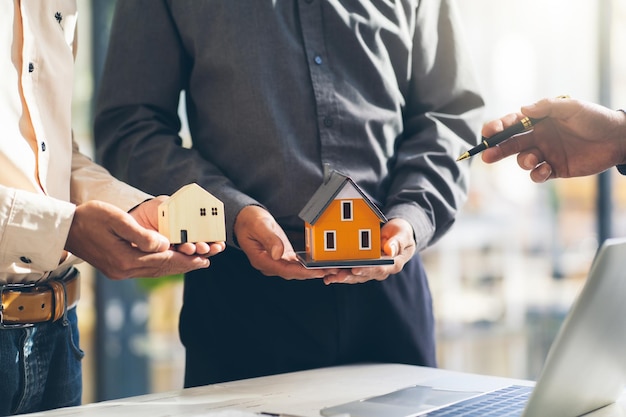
{"type": "Point", "coordinates": [275, 91]}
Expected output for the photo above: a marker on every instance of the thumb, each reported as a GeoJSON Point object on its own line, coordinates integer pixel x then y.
{"type": "Point", "coordinates": [559, 107]}
{"type": "Point", "coordinates": [391, 247]}
{"type": "Point", "coordinates": [538, 109]}
{"type": "Point", "coordinates": [146, 240]}
{"type": "Point", "coordinates": [273, 245]}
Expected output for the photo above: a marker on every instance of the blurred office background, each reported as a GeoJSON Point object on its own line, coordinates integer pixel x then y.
{"type": "Point", "coordinates": [506, 274]}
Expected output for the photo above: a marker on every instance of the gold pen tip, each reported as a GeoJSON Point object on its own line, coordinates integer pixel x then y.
{"type": "Point", "coordinates": [462, 157]}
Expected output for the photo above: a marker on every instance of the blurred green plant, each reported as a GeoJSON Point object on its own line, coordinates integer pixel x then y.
{"type": "Point", "coordinates": [149, 284]}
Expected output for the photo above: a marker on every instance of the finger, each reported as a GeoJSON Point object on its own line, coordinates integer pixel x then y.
{"type": "Point", "coordinates": [541, 173]}
{"type": "Point", "coordinates": [491, 128]}
{"type": "Point", "coordinates": [375, 272]}
{"type": "Point", "coordinates": [359, 275]}
{"type": "Point", "coordinates": [498, 125]}
{"type": "Point", "coordinates": [506, 148]}
{"type": "Point", "coordinates": [202, 248]}
{"type": "Point", "coordinates": [168, 263]}
{"type": "Point", "coordinates": [340, 277]}
{"type": "Point", "coordinates": [130, 262]}
{"type": "Point", "coordinates": [216, 247]}
{"type": "Point", "coordinates": [512, 146]}
{"type": "Point", "coordinates": [187, 248]}
{"type": "Point", "coordinates": [329, 280]}
{"type": "Point", "coordinates": [529, 159]}
{"type": "Point", "coordinates": [286, 269]}
{"type": "Point", "coordinates": [491, 155]}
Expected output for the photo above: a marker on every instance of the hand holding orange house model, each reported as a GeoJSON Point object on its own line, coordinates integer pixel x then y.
{"type": "Point", "coordinates": [192, 214]}
{"type": "Point", "coordinates": [342, 227]}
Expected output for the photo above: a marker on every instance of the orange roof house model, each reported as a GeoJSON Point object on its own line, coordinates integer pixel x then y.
{"type": "Point", "coordinates": [192, 214]}
{"type": "Point", "coordinates": [342, 226]}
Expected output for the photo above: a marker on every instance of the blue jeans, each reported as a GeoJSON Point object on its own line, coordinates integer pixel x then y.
{"type": "Point", "coordinates": [40, 367]}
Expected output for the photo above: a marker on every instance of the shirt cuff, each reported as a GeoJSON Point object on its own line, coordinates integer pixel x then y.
{"type": "Point", "coordinates": [35, 230]}
{"type": "Point", "coordinates": [621, 168]}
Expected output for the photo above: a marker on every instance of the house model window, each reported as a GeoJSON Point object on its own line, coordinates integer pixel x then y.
{"type": "Point", "coordinates": [346, 211]}
{"type": "Point", "coordinates": [365, 239]}
{"type": "Point", "coordinates": [330, 237]}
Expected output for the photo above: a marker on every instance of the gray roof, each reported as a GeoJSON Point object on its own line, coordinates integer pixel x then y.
{"type": "Point", "coordinates": [326, 193]}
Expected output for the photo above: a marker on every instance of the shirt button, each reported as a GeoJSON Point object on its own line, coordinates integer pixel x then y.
{"type": "Point", "coordinates": [328, 121]}
{"type": "Point", "coordinates": [318, 60]}
{"type": "Point", "coordinates": [43, 146]}
{"type": "Point", "coordinates": [25, 259]}
{"type": "Point", "coordinates": [31, 67]}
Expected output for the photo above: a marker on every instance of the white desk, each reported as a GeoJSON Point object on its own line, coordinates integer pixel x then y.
{"type": "Point", "coordinates": [299, 394]}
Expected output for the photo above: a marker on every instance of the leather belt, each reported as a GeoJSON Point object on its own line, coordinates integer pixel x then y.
{"type": "Point", "coordinates": [25, 304]}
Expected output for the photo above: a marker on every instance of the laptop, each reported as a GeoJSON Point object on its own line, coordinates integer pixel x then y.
{"type": "Point", "coordinates": [585, 369]}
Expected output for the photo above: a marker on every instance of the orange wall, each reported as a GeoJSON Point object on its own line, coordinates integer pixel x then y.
{"type": "Point", "coordinates": [347, 232]}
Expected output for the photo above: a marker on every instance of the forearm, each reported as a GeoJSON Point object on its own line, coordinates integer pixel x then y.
{"type": "Point", "coordinates": [90, 181]}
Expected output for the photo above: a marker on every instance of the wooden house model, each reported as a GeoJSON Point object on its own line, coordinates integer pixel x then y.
{"type": "Point", "coordinates": [192, 214]}
{"type": "Point", "coordinates": [341, 222]}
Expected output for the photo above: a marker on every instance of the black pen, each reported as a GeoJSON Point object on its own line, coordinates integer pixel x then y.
{"type": "Point", "coordinates": [523, 125]}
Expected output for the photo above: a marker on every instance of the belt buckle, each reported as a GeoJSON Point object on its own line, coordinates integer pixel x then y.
{"type": "Point", "coordinates": [13, 286]}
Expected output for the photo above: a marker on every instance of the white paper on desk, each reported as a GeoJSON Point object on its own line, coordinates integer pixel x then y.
{"type": "Point", "coordinates": [401, 403]}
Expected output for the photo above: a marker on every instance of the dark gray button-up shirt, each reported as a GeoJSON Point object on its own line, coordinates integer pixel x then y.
{"type": "Point", "coordinates": [380, 90]}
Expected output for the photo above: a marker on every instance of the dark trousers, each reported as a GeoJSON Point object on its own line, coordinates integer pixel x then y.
{"type": "Point", "coordinates": [237, 323]}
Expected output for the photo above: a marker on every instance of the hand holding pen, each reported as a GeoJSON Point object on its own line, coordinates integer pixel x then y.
{"type": "Point", "coordinates": [575, 138]}
{"type": "Point", "coordinates": [524, 124]}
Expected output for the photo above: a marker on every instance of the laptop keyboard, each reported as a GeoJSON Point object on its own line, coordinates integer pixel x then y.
{"type": "Point", "coordinates": [505, 402]}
